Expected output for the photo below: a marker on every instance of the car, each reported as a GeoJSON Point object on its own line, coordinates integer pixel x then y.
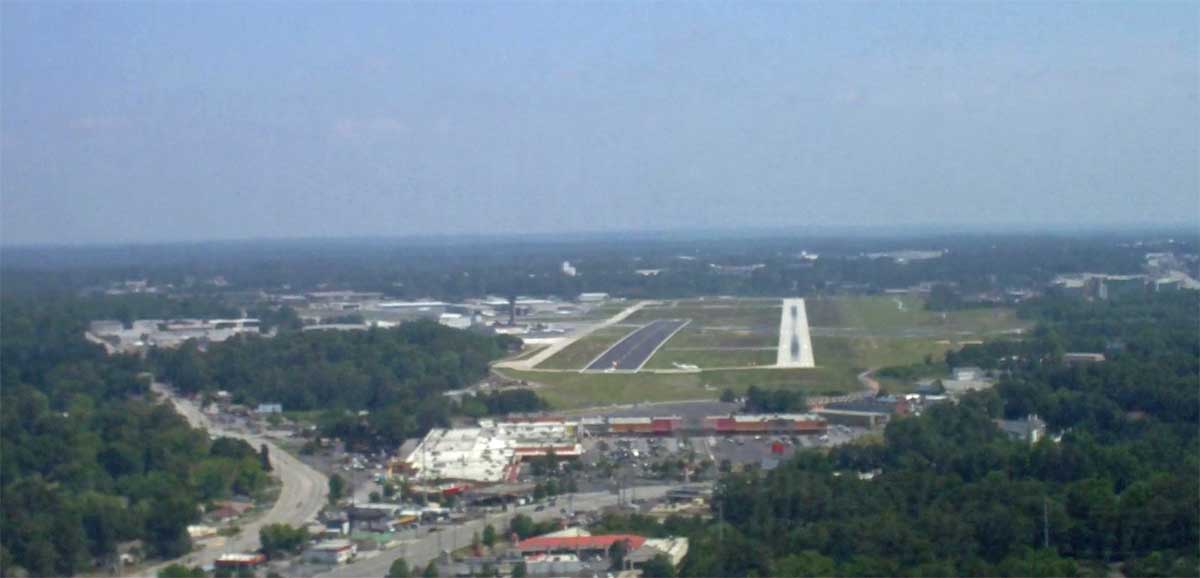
{"type": "Point", "coordinates": [540, 508]}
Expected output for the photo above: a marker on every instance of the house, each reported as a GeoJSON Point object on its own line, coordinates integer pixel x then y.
{"type": "Point", "coordinates": [331, 552]}
{"type": "Point", "coordinates": [1030, 430]}
{"type": "Point", "coordinates": [265, 408]}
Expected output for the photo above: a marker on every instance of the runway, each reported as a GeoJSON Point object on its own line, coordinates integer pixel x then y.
{"type": "Point", "coordinates": [795, 343]}
{"type": "Point", "coordinates": [635, 349]}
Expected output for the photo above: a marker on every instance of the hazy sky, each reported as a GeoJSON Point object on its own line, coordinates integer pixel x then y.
{"type": "Point", "coordinates": [149, 122]}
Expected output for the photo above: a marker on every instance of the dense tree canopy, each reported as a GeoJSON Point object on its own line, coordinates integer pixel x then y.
{"type": "Point", "coordinates": [87, 461]}
{"type": "Point", "coordinates": [397, 375]}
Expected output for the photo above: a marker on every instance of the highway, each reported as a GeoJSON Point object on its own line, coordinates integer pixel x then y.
{"type": "Point", "coordinates": [632, 352]}
{"type": "Point", "coordinates": [419, 551]}
{"type": "Point", "coordinates": [301, 497]}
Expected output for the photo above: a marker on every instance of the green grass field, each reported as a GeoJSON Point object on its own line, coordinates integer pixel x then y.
{"type": "Point", "coordinates": [731, 313]}
{"type": "Point", "coordinates": [705, 358]}
{"type": "Point", "coordinates": [570, 390]}
{"type": "Point", "coordinates": [708, 338]}
{"type": "Point", "coordinates": [582, 352]}
{"type": "Point", "coordinates": [895, 315]}
{"type": "Point", "coordinates": [862, 333]}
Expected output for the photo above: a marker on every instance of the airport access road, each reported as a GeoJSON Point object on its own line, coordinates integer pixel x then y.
{"type": "Point", "coordinates": [632, 351]}
{"type": "Point", "coordinates": [301, 496]}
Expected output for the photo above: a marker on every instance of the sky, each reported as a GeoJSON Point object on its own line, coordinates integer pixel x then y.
{"type": "Point", "coordinates": [149, 122]}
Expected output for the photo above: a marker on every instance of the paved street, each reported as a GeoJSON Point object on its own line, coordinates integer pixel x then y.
{"type": "Point", "coordinates": [421, 550]}
{"type": "Point", "coordinates": [302, 495]}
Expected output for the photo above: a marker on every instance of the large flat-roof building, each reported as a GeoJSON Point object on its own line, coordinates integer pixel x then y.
{"type": "Point", "coordinates": [491, 452]}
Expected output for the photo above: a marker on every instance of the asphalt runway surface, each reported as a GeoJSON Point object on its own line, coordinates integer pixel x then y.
{"type": "Point", "coordinates": [631, 352]}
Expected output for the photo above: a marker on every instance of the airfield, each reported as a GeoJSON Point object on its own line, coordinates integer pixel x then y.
{"type": "Point", "coordinates": [692, 349]}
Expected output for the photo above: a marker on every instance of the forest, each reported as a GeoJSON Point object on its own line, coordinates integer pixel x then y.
{"type": "Point", "coordinates": [89, 460]}
{"type": "Point", "coordinates": [397, 375]}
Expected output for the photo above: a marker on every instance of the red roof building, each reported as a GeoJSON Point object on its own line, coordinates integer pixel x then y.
{"type": "Point", "coordinates": [576, 543]}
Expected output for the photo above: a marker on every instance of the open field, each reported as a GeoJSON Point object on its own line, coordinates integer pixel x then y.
{"type": "Point", "coordinates": [722, 313]}
{"type": "Point", "coordinates": [579, 354]}
{"type": "Point", "coordinates": [905, 315]}
{"type": "Point", "coordinates": [665, 358]}
{"type": "Point", "coordinates": [568, 390]}
{"type": "Point", "coordinates": [709, 338]}
{"type": "Point", "coordinates": [849, 335]}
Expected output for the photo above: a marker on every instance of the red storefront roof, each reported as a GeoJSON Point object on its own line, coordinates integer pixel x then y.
{"type": "Point", "coordinates": [579, 542]}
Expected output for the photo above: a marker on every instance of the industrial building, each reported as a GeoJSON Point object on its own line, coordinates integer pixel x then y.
{"type": "Point", "coordinates": [167, 332]}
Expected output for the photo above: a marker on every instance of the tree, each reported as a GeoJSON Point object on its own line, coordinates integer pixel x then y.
{"type": "Point", "coordinates": [489, 536]}
{"type": "Point", "coordinates": [337, 488]}
{"type": "Point", "coordinates": [616, 555]}
{"type": "Point", "coordinates": [264, 457]}
{"type": "Point", "coordinates": [399, 569]}
{"type": "Point", "coordinates": [522, 526]}
{"type": "Point", "coordinates": [519, 570]}
{"type": "Point", "coordinates": [279, 539]}
{"type": "Point", "coordinates": [728, 396]}
{"type": "Point", "coordinates": [660, 567]}
{"type": "Point", "coordinates": [431, 571]}
{"type": "Point", "coordinates": [180, 571]}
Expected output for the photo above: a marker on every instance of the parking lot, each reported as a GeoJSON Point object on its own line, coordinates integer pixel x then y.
{"type": "Point", "coordinates": [637, 457]}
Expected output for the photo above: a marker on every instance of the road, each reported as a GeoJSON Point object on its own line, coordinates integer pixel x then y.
{"type": "Point", "coordinates": [632, 351]}
{"type": "Point", "coordinates": [419, 551]}
{"type": "Point", "coordinates": [301, 497]}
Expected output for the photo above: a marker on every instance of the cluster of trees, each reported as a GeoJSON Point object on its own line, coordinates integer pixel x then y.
{"type": "Point", "coordinates": [957, 497]}
{"type": "Point", "coordinates": [760, 400]}
{"type": "Point", "coordinates": [88, 460]}
{"type": "Point", "coordinates": [282, 539]}
{"type": "Point", "coordinates": [398, 375]}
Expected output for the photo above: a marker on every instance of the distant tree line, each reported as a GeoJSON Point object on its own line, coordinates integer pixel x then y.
{"type": "Point", "coordinates": [682, 266]}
